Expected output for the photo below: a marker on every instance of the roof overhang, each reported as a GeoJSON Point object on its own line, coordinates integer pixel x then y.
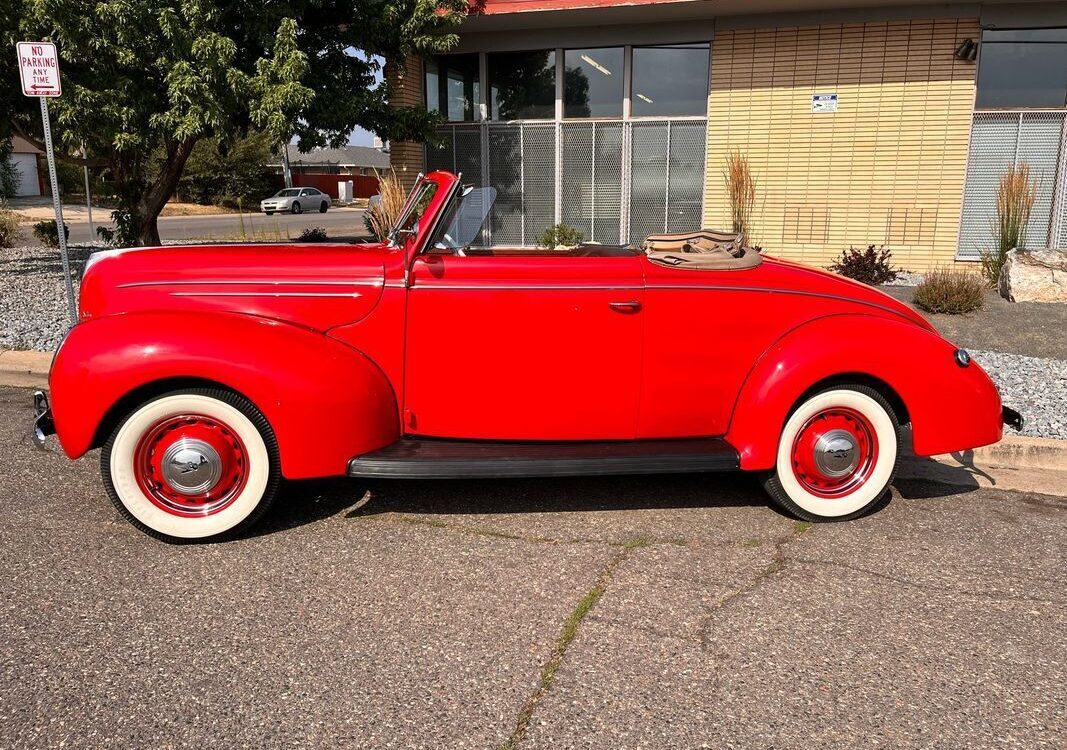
{"type": "Point", "coordinates": [511, 15]}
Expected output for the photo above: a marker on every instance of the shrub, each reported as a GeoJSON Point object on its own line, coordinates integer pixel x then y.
{"type": "Point", "coordinates": [313, 234]}
{"type": "Point", "coordinates": [1015, 199]}
{"type": "Point", "coordinates": [221, 172]}
{"type": "Point", "coordinates": [46, 232]}
{"type": "Point", "coordinates": [870, 266]}
{"type": "Point", "coordinates": [559, 235]}
{"type": "Point", "coordinates": [9, 226]}
{"type": "Point", "coordinates": [952, 292]}
{"type": "Point", "coordinates": [741, 189]}
{"type": "Point", "coordinates": [106, 235]}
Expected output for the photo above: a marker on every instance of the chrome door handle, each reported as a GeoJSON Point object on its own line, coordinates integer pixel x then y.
{"type": "Point", "coordinates": [628, 306]}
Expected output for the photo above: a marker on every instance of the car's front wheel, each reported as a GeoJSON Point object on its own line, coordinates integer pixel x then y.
{"type": "Point", "coordinates": [295, 208]}
{"type": "Point", "coordinates": [192, 465]}
{"type": "Point", "coordinates": [837, 455]}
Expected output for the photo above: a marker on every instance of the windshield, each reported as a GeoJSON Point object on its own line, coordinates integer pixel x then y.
{"type": "Point", "coordinates": [420, 198]}
{"type": "Point", "coordinates": [290, 193]}
{"type": "Point", "coordinates": [464, 219]}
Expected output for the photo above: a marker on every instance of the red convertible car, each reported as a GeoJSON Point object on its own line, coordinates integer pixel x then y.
{"type": "Point", "coordinates": [208, 374]}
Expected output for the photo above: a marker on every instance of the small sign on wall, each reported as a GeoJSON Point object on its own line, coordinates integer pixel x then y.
{"type": "Point", "coordinates": [824, 102]}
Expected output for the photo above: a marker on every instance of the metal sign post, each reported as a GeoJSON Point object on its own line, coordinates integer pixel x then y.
{"type": "Point", "coordinates": [39, 69]}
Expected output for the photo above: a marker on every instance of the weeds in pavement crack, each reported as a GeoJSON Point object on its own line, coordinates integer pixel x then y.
{"type": "Point", "coordinates": [566, 635]}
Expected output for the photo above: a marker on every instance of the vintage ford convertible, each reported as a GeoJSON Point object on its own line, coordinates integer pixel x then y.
{"type": "Point", "coordinates": [208, 374]}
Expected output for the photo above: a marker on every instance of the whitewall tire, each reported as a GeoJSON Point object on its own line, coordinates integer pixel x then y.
{"type": "Point", "coordinates": [837, 455]}
{"type": "Point", "coordinates": [193, 465]}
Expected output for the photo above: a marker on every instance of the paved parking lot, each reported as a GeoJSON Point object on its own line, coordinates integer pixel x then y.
{"type": "Point", "coordinates": [648, 612]}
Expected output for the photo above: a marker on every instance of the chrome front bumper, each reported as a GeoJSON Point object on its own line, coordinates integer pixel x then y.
{"type": "Point", "coordinates": [43, 426]}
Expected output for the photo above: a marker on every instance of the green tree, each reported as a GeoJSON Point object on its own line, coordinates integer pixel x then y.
{"type": "Point", "coordinates": [145, 81]}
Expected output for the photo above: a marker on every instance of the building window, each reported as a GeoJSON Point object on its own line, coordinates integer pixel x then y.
{"type": "Point", "coordinates": [452, 87]}
{"type": "Point", "coordinates": [670, 80]}
{"type": "Point", "coordinates": [522, 85]}
{"type": "Point", "coordinates": [1023, 69]}
{"type": "Point", "coordinates": [593, 82]}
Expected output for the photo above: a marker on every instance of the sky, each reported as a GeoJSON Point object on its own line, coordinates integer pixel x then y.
{"type": "Point", "coordinates": [359, 136]}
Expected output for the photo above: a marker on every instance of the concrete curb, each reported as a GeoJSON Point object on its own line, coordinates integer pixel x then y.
{"type": "Point", "coordinates": [24, 369]}
{"type": "Point", "coordinates": [1020, 463]}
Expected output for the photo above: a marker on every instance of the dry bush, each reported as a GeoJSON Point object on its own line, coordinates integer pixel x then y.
{"type": "Point", "coordinates": [1015, 200]}
{"type": "Point", "coordinates": [741, 190]}
{"type": "Point", "coordinates": [383, 216]}
{"type": "Point", "coordinates": [9, 226]}
{"type": "Point", "coordinates": [951, 292]}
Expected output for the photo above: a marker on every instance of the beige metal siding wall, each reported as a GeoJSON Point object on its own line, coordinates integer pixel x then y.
{"type": "Point", "coordinates": [887, 168]}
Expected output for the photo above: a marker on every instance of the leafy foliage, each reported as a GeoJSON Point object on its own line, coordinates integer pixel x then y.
{"type": "Point", "coordinates": [223, 174]}
{"type": "Point", "coordinates": [313, 234]}
{"type": "Point", "coordinates": [870, 266]}
{"type": "Point", "coordinates": [146, 80]}
{"type": "Point", "coordinates": [952, 292]}
{"type": "Point", "coordinates": [9, 178]}
{"type": "Point", "coordinates": [47, 232]}
{"type": "Point", "coordinates": [1015, 200]}
{"type": "Point", "coordinates": [559, 235]}
{"type": "Point", "coordinates": [9, 226]}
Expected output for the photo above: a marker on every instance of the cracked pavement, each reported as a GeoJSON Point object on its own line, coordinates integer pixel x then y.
{"type": "Point", "coordinates": [627, 612]}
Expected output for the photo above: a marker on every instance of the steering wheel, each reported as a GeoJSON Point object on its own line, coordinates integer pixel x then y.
{"type": "Point", "coordinates": [454, 245]}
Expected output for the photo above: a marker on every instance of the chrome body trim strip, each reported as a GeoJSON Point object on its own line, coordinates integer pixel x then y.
{"type": "Point", "coordinates": [247, 282]}
{"type": "Point", "coordinates": [266, 294]}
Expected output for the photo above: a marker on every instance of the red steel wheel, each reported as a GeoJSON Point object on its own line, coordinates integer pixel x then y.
{"type": "Point", "coordinates": [834, 452]}
{"type": "Point", "coordinates": [191, 464]}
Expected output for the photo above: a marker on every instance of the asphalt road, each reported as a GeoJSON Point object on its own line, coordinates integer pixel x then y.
{"type": "Point", "coordinates": [435, 614]}
{"type": "Point", "coordinates": [340, 223]}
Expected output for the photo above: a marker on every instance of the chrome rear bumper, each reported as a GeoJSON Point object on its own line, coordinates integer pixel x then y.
{"type": "Point", "coordinates": [43, 426]}
{"type": "Point", "coordinates": [1012, 418]}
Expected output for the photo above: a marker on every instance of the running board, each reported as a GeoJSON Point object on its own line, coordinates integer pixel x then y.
{"type": "Point", "coordinates": [429, 458]}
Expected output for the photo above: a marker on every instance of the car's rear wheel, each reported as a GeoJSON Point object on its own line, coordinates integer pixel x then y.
{"type": "Point", "coordinates": [295, 208]}
{"type": "Point", "coordinates": [194, 465]}
{"type": "Point", "coordinates": [323, 206]}
{"type": "Point", "coordinates": [837, 455]}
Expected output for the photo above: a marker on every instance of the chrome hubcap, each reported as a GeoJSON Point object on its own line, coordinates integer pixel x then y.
{"type": "Point", "coordinates": [836, 454]}
{"type": "Point", "coordinates": [191, 467]}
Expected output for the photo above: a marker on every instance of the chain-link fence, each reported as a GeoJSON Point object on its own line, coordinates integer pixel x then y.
{"type": "Point", "coordinates": [614, 181]}
{"type": "Point", "coordinates": [999, 141]}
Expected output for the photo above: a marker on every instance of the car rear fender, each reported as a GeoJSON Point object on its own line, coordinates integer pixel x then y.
{"type": "Point", "coordinates": [950, 407]}
{"type": "Point", "coordinates": [325, 401]}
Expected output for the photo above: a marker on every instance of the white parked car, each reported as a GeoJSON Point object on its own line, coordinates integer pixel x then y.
{"type": "Point", "coordinates": [296, 200]}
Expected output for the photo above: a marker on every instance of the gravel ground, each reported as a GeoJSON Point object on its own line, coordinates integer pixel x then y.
{"type": "Point", "coordinates": [33, 316]}
{"type": "Point", "coordinates": [1036, 388]}
{"type": "Point", "coordinates": [33, 301]}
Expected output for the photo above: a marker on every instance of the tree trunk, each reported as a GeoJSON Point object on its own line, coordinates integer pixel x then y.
{"type": "Point", "coordinates": [160, 191]}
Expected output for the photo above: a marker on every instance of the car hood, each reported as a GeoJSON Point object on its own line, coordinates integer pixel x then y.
{"type": "Point", "coordinates": [314, 285]}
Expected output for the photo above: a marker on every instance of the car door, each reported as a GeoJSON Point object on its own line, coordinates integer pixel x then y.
{"type": "Point", "coordinates": [523, 346]}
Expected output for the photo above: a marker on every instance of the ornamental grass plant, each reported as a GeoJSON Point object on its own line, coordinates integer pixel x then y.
{"type": "Point", "coordinates": [1015, 200]}
{"type": "Point", "coordinates": [741, 190]}
{"type": "Point", "coordinates": [383, 215]}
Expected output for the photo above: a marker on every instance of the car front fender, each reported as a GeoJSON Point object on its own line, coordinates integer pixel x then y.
{"type": "Point", "coordinates": [325, 401]}
{"type": "Point", "coordinates": [950, 407]}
